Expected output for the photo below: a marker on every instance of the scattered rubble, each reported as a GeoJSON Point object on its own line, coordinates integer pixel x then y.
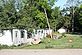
{"type": "Point", "coordinates": [34, 40]}
{"type": "Point", "coordinates": [55, 36]}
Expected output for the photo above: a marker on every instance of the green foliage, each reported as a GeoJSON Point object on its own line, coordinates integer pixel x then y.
{"type": "Point", "coordinates": [34, 14]}
{"type": "Point", "coordinates": [80, 14]}
{"type": "Point", "coordinates": [4, 47]}
{"type": "Point", "coordinates": [7, 47]}
{"type": "Point", "coordinates": [41, 20]}
{"type": "Point", "coordinates": [56, 16]}
{"type": "Point", "coordinates": [8, 16]}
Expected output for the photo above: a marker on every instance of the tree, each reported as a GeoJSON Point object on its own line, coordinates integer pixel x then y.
{"type": "Point", "coordinates": [80, 18]}
{"type": "Point", "coordinates": [56, 16]}
{"type": "Point", "coordinates": [45, 5]}
{"type": "Point", "coordinates": [9, 16]}
{"type": "Point", "coordinates": [66, 19]}
{"type": "Point", "coordinates": [27, 14]}
{"type": "Point", "coordinates": [80, 14]}
{"type": "Point", "coordinates": [72, 4]}
{"type": "Point", "coordinates": [41, 10]}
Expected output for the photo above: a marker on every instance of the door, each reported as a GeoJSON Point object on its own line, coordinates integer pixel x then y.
{"type": "Point", "coordinates": [16, 41]}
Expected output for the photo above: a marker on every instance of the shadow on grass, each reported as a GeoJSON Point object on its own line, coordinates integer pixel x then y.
{"type": "Point", "coordinates": [75, 33]}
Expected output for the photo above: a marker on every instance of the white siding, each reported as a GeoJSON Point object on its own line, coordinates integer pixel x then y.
{"type": "Point", "coordinates": [16, 36]}
{"type": "Point", "coordinates": [18, 40]}
{"type": "Point", "coordinates": [42, 33]}
{"type": "Point", "coordinates": [13, 39]}
{"type": "Point", "coordinates": [6, 38]}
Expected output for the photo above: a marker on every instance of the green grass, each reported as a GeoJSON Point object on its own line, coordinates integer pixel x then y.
{"type": "Point", "coordinates": [56, 44]}
{"type": "Point", "coordinates": [46, 43]}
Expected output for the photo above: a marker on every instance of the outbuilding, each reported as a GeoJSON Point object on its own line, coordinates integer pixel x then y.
{"type": "Point", "coordinates": [13, 36]}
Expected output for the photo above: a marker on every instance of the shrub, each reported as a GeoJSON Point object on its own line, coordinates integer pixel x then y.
{"type": "Point", "coordinates": [7, 47]}
{"type": "Point", "coordinates": [63, 35]}
{"type": "Point", "coordinates": [81, 36]}
{"type": "Point", "coordinates": [4, 47]}
{"type": "Point", "coordinates": [11, 47]}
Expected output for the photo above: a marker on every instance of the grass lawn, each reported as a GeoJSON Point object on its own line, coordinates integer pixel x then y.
{"type": "Point", "coordinates": [62, 43]}
{"type": "Point", "coordinates": [56, 44]}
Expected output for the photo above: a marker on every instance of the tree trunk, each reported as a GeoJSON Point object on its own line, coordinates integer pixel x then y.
{"type": "Point", "coordinates": [73, 18]}
{"type": "Point", "coordinates": [47, 22]}
{"type": "Point", "coordinates": [55, 25]}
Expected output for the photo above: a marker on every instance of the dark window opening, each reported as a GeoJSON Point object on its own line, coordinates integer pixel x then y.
{"type": "Point", "coordinates": [22, 34]}
{"type": "Point", "coordinates": [42, 31]}
{"type": "Point", "coordinates": [16, 33]}
{"type": "Point", "coordinates": [29, 35]}
{"type": "Point", "coordinates": [1, 33]}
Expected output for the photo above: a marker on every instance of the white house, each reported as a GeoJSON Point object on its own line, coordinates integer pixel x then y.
{"type": "Point", "coordinates": [18, 36]}
{"type": "Point", "coordinates": [13, 36]}
{"type": "Point", "coordinates": [42, 32]}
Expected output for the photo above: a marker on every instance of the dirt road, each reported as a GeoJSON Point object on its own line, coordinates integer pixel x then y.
{"type": "Point", "coordinates": [41, 52]}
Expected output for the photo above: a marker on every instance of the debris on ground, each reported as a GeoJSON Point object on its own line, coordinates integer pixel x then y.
{"type": "Point", "coordinates": [34, 40]}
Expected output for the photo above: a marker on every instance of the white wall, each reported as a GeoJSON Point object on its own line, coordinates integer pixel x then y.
{"type": "Point", "coordinates": [6, 38]}
{"type": "Point", "coordinates": [44, 34]}
{"type": "Point", "coordinates": [18, 40]}
{"type": "Point", "coordinates": [24, 40]}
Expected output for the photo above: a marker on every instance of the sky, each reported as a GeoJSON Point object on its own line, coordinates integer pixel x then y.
{"type": "Point", "coordinates": [61, 3]}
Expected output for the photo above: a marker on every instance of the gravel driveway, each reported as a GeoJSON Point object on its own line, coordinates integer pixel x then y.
{"type": "Point", "coordinates": [41, 52]}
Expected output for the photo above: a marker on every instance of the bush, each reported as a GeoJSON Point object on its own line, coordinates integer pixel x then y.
{"type": "Point", "coordinates": [7, 47]}
{"type": "Point", "coordinates": [81, 36]}
{"type": "Point", "coordinates": [4, 47]}
{"type": "Point", "coordinates": [11, 47]}
{"type": "Point", "coordinates": [63, 35]}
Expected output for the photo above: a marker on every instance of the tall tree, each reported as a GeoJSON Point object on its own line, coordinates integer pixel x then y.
{"type": "Point", "coordinates": [66, 18]}
{"type": "Point", "coordinates": [56, 16]}
{"type": "Point", "coordinates": [45, 5]}
{"type": "Point", "coordinates": [27, 15]}
{"type": "Point", "coordinates": [72, 4]}
{"type": "Point", "coordinates": [80, 18]}
{"type": "Point", "coordinates": [8, 16]}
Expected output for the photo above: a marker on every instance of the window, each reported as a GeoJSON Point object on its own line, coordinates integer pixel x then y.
{"type": "Point", "coordinates": [29, 35]}
{"type": "Point", "coordinates": [16, 33]}
{"type": "Point", "coordinates": [1, 33]}
{"type": "Point", "coordinates": [42, 31]}
{"type": "Point", "coordinates": [22, 34]}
